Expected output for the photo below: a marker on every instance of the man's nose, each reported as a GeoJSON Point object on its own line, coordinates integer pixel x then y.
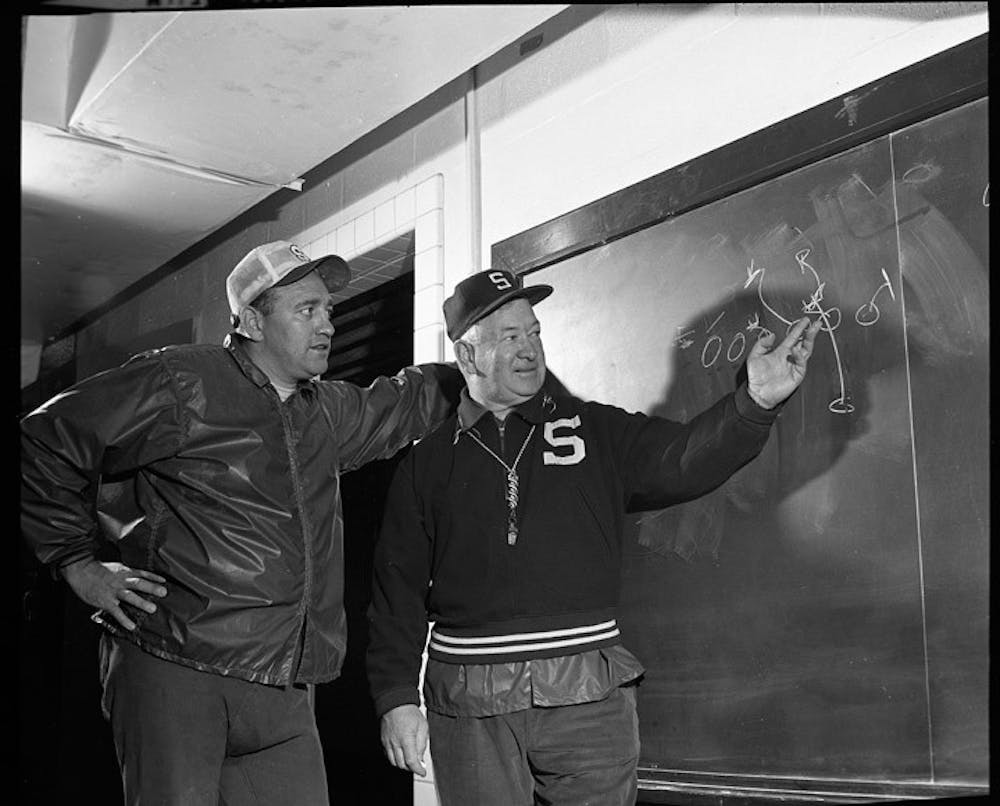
{"type": "Point", "coordinates": [325, 324]}
{"type": "Point", "coordinates": [527, 350]}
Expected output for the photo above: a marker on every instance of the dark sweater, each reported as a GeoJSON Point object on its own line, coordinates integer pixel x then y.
{"type": "Point", "coordinates": [444, 554]}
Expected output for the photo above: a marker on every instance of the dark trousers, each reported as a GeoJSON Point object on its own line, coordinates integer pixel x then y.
{"type": "Point", "coordinates": [190, 738]}
{"type": "Point", "coordinates": [573, 755]}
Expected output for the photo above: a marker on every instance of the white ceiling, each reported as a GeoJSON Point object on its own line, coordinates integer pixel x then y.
{"type": "Point", "coordinates": [142, 133]}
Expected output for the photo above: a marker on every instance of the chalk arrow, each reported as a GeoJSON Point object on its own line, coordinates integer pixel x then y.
{"type": "Point", "coordinates": [752, 275]}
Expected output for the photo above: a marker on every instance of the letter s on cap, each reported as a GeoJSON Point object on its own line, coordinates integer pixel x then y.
{"type": "Point", "coordinates": [498, 279]}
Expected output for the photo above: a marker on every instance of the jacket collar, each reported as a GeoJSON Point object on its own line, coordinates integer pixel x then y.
{"type": "Point", "coordinates": [236, 345]}
{"type": "Point", "coordinates": [534, 411]}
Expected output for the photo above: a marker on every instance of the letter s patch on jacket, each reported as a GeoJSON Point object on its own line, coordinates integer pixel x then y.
{"type": "Point", "coordinates": [579, 449]}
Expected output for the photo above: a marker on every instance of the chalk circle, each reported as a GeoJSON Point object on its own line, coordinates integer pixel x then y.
{"type": "Point", "coordinates": [841, 406]}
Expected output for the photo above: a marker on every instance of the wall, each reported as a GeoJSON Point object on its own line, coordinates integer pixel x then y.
{"type": "Point", "coordinates": [613, 95]}
{"type": "Point", "coordinates": [417, 161]}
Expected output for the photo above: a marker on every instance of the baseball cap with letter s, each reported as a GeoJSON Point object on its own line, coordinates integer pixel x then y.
{"type": "Point", "coordinates": [279, 263]}
{"type": "Point", "coordinates": [482, 293]}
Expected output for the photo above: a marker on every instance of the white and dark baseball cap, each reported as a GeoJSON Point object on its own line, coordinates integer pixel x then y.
{"type": "Point", "coordinates": [276, 264]}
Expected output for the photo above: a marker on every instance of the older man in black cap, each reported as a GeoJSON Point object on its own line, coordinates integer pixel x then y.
{"type": "Point", "coordinates": [218, 476]}
{"type": "Point", "coordinates": [504, 529]}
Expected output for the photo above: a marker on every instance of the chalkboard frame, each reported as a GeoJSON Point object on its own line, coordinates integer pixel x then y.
{"type": "Point", "coordinates": [915, 93]}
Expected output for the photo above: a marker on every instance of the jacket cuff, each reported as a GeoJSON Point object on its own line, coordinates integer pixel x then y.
{"type": "Point", "coordinates": [393, 699]}
{"type": "Point", "coordinates": [749, 410]}
{"type": "Point", "coordinates": [56, 566]}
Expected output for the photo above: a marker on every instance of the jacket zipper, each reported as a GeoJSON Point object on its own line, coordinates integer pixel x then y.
{"type": "Point", "coordinates": [288, 426]}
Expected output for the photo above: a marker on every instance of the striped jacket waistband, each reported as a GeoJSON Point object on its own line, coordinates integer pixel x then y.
{"type": "Point", "coordinates": [523, 645]}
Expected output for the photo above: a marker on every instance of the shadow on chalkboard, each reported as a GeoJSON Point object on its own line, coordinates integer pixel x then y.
{"type": "Point", "coordinates": [944, 324]}
{"type": "Point", "coordinates": [806, 448]}
{"type": "Point", "coordinates": [806, 444]}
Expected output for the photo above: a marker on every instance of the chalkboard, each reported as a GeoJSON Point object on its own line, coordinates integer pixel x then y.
{"type": "Point", "coordinates": [819, 624]}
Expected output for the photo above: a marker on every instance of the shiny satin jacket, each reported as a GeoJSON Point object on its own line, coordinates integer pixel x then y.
{"type": "Point", "coordinates": [208, 479]}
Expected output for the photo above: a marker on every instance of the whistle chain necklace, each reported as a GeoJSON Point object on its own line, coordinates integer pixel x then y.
{"type": "Point", "coordinates": [512, 483]}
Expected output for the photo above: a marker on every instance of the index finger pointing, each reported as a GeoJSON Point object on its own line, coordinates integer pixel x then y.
{"type": "Point", "coordinates": [800, 326]}
{"type": "Point", "coordinates": [810, 334]}
{"type": "Point", "coordinates": [794, 333]}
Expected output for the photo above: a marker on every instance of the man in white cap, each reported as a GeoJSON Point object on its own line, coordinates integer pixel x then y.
{"type": "Point", "coordinates": [504, 528]}
{"type": "Point", "coordinates": [193, 496]}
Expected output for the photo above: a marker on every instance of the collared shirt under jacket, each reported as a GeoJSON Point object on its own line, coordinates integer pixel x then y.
{"type": "Point", "coordinates": [207, 478]}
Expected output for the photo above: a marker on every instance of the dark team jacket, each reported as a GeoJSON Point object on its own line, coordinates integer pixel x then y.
{"type": "Point", "coordinates": [206, 477]}
{"type": "Point", "coordinates": [444, 554]}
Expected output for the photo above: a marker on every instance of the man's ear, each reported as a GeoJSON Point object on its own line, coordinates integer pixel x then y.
{"type": "Point", "coordinates": [251, 323]}
{"type": "Point", "coordinates": [465, 355]}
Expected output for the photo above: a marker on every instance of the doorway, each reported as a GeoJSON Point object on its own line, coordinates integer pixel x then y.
{"type": "Point", "coordinates": [373, 336]}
